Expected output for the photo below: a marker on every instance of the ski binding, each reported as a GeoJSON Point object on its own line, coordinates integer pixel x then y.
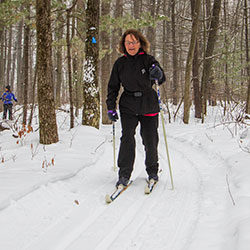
{"type": "Point", "coordinates": [150, 186]}
{"type": "Point", "coordinates": [119, 190]}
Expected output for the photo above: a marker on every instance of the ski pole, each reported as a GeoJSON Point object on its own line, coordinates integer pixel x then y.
{"type": "Point", "coordinates": [164, 132]}
{"type": "Point", "coordinates": [113, 125]}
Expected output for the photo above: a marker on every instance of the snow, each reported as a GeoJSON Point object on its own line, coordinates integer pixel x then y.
{"type": "Point", "coordinates": [53, 197]}
{"type": "Point", "coordinates": [89, 71]}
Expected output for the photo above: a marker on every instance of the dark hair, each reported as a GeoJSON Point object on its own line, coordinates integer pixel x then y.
{"type": "Point", "coordinates": [8, 87]}
{"type": "Point", "coordinates": [145, 44]}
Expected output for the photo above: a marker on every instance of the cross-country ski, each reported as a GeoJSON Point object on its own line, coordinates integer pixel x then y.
{"type": "Point", "coordinates": [118, 191]}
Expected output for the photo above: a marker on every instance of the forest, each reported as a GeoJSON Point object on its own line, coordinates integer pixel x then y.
{"type": "Point", "coordinates": [56, 53]}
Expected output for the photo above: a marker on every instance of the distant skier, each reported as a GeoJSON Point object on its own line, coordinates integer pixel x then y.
{"type": "Point", "coordinates": [7, 98]}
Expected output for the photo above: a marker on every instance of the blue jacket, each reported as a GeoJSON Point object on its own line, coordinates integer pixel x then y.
{"type": "Point", "coordinates": [7, 97]}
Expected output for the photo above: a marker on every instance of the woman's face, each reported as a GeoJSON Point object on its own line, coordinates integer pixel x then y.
{"type": "Point", "coordinates": [131, 44]}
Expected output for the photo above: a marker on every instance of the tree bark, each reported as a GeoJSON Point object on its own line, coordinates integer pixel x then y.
{"type": "Point", "coordinates": [174, 56]}
{"type": "Point", "coordinates": [226, 80]}
{"type": "Point", "coordinates": [8, 69]}
{"type": "Point", "coordinates": [78, 75]}
{"type": "Point", "coordinates": [2, 29]}
{"type": "Point", "coordinates": [13, 71]}
{"type": "Point", "coordinates": [196, 82]}
{"type": "Point", "coordinates": [70, 71]}
{"type": "Point", "coordinates": [46, 106]}
{"type": "Point", "coordinates": [2, 61]}
{"type": "Point", "coordinates": [116, 33]}
{"type": "Point", "coordinates": [195, 16]}
{"type": "Point", "coordinates": [59, 60]}
{"type": "Point", "coordinates": [26, 67]}
{"type": "Point", "coordinates": [91, 109]}
{"type": "Point", "coordinates": [151, 29]}
{"type": "Point", "coordinates": [137, 9]}
{"type": "Point", "coordinates": [105, 64]}
{"type": "Point", "coordinates": [33, 98]}
{"type": "Point", "coordinates": [247, 55]}
{"type": "Point", "coordinates": [19, 61]}
{"type": "Point", "coordinates": [207, 67]}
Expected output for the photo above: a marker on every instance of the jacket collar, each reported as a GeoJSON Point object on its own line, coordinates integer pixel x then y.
{"type": "Point", "coordinates": [140, 52]}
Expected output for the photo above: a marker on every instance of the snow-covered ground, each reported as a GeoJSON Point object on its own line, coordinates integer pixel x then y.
{"type": "Point", "coordinates": [53, 197]}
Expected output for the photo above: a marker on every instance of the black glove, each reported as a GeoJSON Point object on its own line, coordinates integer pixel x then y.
{"type": "Point", "coordinates": [155, 73]}
{"type": "Point", "coordinates": [113, 116]}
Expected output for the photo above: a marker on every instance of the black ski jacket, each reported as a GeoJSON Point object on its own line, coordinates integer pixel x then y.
{"type": "Point", "coordinates": [138, 96]}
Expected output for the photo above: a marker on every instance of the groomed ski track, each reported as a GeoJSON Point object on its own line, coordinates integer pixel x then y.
{"type": "Point", "coordinates": [134, 221]}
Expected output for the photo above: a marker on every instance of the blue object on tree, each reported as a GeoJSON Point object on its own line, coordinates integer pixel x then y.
{"type": "Point", "coordinates": [93, 40]}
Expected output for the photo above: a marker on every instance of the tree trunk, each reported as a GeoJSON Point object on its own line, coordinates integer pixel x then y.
{"type": "Point", "coordinates": [46, 105]}
{"type": "Point", "coordinates": [207, 67]}
{"type": "Point", "coordinates": [13, 71]}
{"type": "Point", "coordinates": [247, 55]}
{"type": "Point", "coordinates": [137, 9]}
{"type": "Point", "coordinates": [196, 82]}
{"type": "Point", "coordinates": [70, 71]}
{"type": "Point", "coordinates": [31, 68]}
{"type": "Point", "coordinates": [174, 59]}
{"type": "Point", "coordinates": [91, 109]}
{"type": "Point", "coordinates": [2, 83]}
{"type": "Point", "coordinates": [166, 36]}
{"type": "Point", "coordinates": [33, 97]}
{"type": "Point", "coordinates": [195, 17]}
{"type": "Point", "coordinates": [59, 51]}
{"type": "Point", "coordinates": [26, 68]}
{"type": "Point", "coordinates": [105, 64]}
{"type": "Point", "coordinates": [19, 61]}
{"type": "Point", "coordinates": [151, 29]}
{"type": "Point", "coordinates": [79, 59]}
{"type": "Point", "coordinates": [242, 61]}
{"type": "Point", "coordinates": [2, 80]}
{"type": "Point", "coordinates": [8, 70]}
{"type": "Point", "coordinates": [226, 45]}
{"type": "Point", "coordinates": [116, 33]}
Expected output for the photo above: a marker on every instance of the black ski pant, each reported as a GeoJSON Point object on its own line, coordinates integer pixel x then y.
{"type": "Point", "coordinates": [6, 108]}
{"type": "Point", "coordinates": [150, 139]}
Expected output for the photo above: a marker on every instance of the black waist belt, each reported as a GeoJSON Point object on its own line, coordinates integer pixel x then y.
{"type": "Point", "coordinates": [135, 93]}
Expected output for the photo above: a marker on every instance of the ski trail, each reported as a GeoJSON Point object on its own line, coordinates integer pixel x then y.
{"type": "Point", "coordinates": [214, 209]}
{"type": "Point", "coordinates": [135, 220]}
{"type": "Point", "coordinates": [114, 216]}
{"type": "Point", "coordinates": [175, 212]}
{"type": "Point", "coordinates": [89, 197]}
{"type": "Point", "coordinates": [91, 206]}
